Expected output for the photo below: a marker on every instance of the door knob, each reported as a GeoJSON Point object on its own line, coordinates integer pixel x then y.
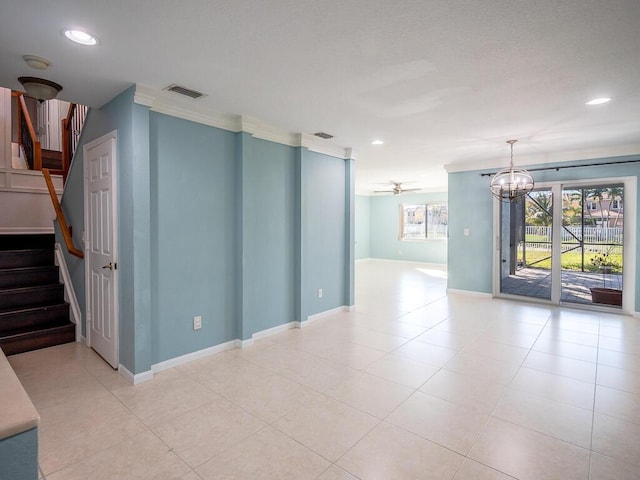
{"type": "Point", "coordinates": [110, 266]}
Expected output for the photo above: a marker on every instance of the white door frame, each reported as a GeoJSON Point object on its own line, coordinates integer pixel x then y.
{"type": "Point", "coordinates": [112, 136]}
{"type": "Point", "coordinates": [629, 260]}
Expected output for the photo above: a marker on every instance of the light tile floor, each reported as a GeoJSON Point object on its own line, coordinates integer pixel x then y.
{"type": "Point", "coordinates": [414, 384]}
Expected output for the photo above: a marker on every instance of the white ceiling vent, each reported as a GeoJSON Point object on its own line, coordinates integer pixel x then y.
{"type": "Point", "coordinates": [187, 92]}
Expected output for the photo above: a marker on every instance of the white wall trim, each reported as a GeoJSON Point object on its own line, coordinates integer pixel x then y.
{"type": "Point", "coordinates": [169, 103]}
{"type": "Point", "coordinates": [190, 357]}
{"type": "Point", "coordinates": [69, 291]}
{"type": "Point", "coordinates": [470, 293]}
{"type": "Point", "coordinates": [546, 158]}
{"type": "Point", "coordinates": [135, 379]}
{"type": "Point", "coordinates": [264, 131]}
{"type": "Point", "coordinates": [273, 330]}
{"type": "Point", "coordinates": [319, 316]}
{"type": "Point", "coordinates": [325, 147]}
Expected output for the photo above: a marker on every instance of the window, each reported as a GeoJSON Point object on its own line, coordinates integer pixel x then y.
{"type": "Point", "coordinates": [616, 204]}
{"type": "Point", "coordinates": [592, 205]}
{"type": "Point", "coordinates": [423, 221]}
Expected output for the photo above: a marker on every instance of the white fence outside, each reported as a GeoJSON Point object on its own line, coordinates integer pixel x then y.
{"type": "Point", "coordinates": [570, 233]}
{"type": "Point", "coordinates": [596, 239]}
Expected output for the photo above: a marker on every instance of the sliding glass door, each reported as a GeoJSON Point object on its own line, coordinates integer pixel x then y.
{"type": "Point", "coordinates": [564, 244]}
{"type": "Point", "coordinates": [593, 244]}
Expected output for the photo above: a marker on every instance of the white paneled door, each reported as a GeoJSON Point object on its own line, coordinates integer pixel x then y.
{"type": "Point", "coordinates": [101, 247]}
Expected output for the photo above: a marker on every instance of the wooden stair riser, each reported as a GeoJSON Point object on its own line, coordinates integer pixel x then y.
{"type": "Point", "coordinates": [27, 242]}
{"type": "Point", "coordinates": [34, 318]}
{"type": "Point", "coordinates": [25, 258]}
{"type": "Point", "coordinates": [27, 341]}
{"type": "Point", "coordinates": [28, 277]}
{"type": "Point", "coordinates": [18, 298]}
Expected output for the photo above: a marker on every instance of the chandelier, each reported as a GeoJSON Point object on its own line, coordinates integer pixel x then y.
{"type": "Point", "coordinates": [511, 183]}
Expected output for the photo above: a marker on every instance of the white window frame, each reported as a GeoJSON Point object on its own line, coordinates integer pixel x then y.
{"type": "Point", "coordinates": [426, 231]}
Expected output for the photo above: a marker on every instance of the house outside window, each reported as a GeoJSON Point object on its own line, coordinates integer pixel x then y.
{"type": "Point", "coordinates": [424, 221]}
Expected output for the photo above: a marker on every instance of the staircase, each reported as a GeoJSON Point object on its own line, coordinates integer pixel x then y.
{"type": "Point", "coordinates": [33, 312]}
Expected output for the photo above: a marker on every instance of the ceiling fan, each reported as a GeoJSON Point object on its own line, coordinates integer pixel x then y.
{"type": "Point", "coordinates": [397, 189]}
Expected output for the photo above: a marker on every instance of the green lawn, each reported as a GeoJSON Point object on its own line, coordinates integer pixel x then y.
{"type": "Point", "coordinates": [570, 260]}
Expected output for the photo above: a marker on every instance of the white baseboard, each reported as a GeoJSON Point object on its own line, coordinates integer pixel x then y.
{"type": "Point", "coordinates": [470, 293]}
{"type": "Point", "coordinates": [69, 292]}
{"type": "Point", "coordinates": [189, 357]}
{"type": "Point", "coordinates": [135, 379]}
{"type": "Point", "coordinates": [319, 316]}
{"type": "Point", "coordinates": [273, 330]}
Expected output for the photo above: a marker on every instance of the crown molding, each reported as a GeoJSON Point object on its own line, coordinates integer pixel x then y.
{"type": "Point", "coordinates": [548, 158]}
{"type": "Point", "coordinates": [317, 145]}
{"type": "Point", "coordinates": [259, 129]}
{"type": "Point", "coordinates": [168, 103]}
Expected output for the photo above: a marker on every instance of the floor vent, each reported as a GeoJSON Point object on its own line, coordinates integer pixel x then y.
{"type": "Point", "coordinates": [187, 92]}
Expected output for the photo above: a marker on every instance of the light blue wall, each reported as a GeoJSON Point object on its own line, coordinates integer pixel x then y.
{"type": "Point", "coordinates": [239, 230]}
{"type": "Point", "coordinates": [384, 230]}
{"type": "Point", "coordinates": [19, 456]}
{"type": "Point", "coordinates": [470, 206]}
{"type": "Point", "coordinates": [268, 234]}
{"type": "Point", "coordinates": [193, 239]}
{"type": "Point", "coordinates": [363, 226]}
{"type": "Point", "coordinates": [323, 233]}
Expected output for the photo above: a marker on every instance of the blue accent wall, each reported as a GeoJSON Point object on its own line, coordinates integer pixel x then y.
{"type": "Point", "coordinates": [239, 230]}
{"type": "Point", "coordinates": [471, 206]}
{"type": "Point", "coordinates": [363, 226]}
{"type": "Point", "coordinates": [193, 238]}
{"type": "Point", "coordinates": [384, 220]}
{"type": "Point", "coordinates": [19, 456]}
{"type": "Point", "coordinates": [268, 234]}
{"type": "Point", "coordinates": [323, 232]}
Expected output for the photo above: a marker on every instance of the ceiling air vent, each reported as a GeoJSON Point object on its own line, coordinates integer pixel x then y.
{"type": "Point", "coordinates": [187, 92]}
{"type": "Point", "coordinates": [323, 135]}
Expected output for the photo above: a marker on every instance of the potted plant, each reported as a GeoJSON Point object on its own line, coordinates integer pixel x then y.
{"type": "Point", "coordinates": [608, 296]}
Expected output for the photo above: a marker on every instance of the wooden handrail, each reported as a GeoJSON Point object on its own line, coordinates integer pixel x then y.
{"type": "Point", "coordinates": [60, 216]}
{"type": "Point", "coordinates": [37, 150]}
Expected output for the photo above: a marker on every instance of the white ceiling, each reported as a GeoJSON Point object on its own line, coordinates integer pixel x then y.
{"type": "Point", "coordinates": [442, 82]}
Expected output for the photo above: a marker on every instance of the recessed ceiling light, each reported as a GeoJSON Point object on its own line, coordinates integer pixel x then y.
{"type": "Point", "coordinates": [598, 101]}
{"type": "Point", "coordinates": [377, 142]}
{"type": "Point", "coordinates": [80, 37]}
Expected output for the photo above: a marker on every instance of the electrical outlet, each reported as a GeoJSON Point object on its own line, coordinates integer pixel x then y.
{"type": "Point", "coordinates": [319, 293]}
{"type": "Point", "coordinates": [197, 322]}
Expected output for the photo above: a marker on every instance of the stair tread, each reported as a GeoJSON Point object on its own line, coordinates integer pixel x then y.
{"type": "Point", "coordinates": [31, 288]}
{"type": "Point", "coordinates": [23, 310]}
{"type": "Point", "coordinates": [26, 331]}
{"type": "Point", "coordinates": [28, 269]}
